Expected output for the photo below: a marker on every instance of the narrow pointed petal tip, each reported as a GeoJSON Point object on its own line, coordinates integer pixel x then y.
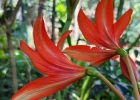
{"type": "Point", "coordinates": [99, 33]}
{"type": "Point", "coordinates": [62, 39]}
{"type": "Point", "coordinates": [89, 54]}
{"type": "Point", "coordinates": [121, 24]}
{"type": "Point", "coordinates": [104, 17]}
{"type": "Point", "coordinates": [104, 22]}
{"type": "Point", "coordinates": [88, 29]}
{"type": "Point", "coordinates": [44, 86]}
{"type": "Point", "coordinates": [125, 70]}
{"type": "Point", "coordinates": [43, 44]}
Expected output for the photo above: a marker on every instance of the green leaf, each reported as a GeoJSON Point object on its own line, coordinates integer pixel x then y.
{"type": "Point", "coordinates": [1, 53]}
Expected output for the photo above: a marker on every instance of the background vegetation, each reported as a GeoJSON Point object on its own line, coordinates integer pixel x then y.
{"type": "Point", "coordinates": [16, 22]}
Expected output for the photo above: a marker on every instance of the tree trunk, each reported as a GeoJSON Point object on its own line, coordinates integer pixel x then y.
{"type": "Point", "coordinates": [53, 22]}
{"type": "Point", "coordinates": [12, 60]}
{"type": "Point", "coordinates": [41, 7]}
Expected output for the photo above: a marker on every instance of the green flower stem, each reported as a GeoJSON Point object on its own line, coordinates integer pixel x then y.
{"type": "Point", "coordinates": [67, 25]}
{"type": "Point", "coordinates": [64, 91]}
{"type": "Point", "coordinates": [86, 94]}
{"type": "Point", "coordinates": [138, 84]}
{"type": "Point", "coordinates": [132, 78]}
{"type": "Point", "coordinates": [71, 6]}
{"type": "Point", "coordinates": [58, 95]}
{"type": "Point", "coordinates": [123, 53]}
{"type": "Point", "coordinates": [88, 83]}
{"type": "Point", "coordinates": [84, 87]}
{"type": "Point", "coordinates": [65, 28]}
{"type": "Point", "coordinates": [134, 43]}
{"type": "Point", "coordinates": [95, 73]}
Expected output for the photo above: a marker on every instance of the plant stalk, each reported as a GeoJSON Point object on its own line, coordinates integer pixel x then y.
{"type": "Point", "coordinates": [66, 27]}
{"type": "Point", "coordinates": [95, 73]}
{"type": "Point", "coordinates": [132, 78]}
{"type": "Point", "coordinates": [133, 44]}
{"type": "Point", "coordinates": [86, 87]}
{"type": "Point", "coordinates": [110, 86]}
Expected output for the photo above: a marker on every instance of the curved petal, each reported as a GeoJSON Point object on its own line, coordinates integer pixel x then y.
{"type": "Point", "coordinates": [121, 24]}
{"type": "Point", "coordinates": [115, 57]}
{"type": "Point", "coordinates": [51, 69]}
{"type": "Point", "coordinates": [100, 60]}
{"type": "Point", "coordinates": [39, 63]}
{"type": "Point", "coordinates": [125, 70]}
{"type": "Point", "coordinates": [45, 86]}
{"type": "Point", "coordinates": [90, 32]}
{"type": "Point", "coordinates": [47, 49]}
{"type": "Point", "coordinates": [88, 54]}
{"type": "Point", "coordinates": [35, 57]}
{"type": "Point", "coordinates": [44, 65]}
{"type": "Point", "coordinates": [42, 42]}
{"type": "Point", "coordinates": [62, 38]}
{"type": "Point", "coordinates": [104, 21]}
{"type": "Point", "coordinates": [88, 29]}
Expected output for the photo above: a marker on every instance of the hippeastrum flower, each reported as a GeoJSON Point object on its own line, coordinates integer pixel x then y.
{"type": "Point", "coordinates": [125, 71]}
{"type": "Point", "coordinates": [104, 34]}
{"type": "Point", "coordinates": [49, 60]}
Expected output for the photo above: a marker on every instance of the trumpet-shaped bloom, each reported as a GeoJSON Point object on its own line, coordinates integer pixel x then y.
{"type": "Point", "coordinates": [49, 60]}
{"type": "Point", "coordinates": [104, 34]}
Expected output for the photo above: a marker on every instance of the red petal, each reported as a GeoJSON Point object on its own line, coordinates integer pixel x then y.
{"type": "Point", "coordinates": [40, 63]}
{"type": "Point", "coordinates": [42, 42]}
{"type": "Point", "coordinates": [125, 70]}
{"type": "Point", "coordinates": [104, 21]}
{"type": "Point", "coordinates": [34, 56]}
{"type": "Point", "coordinates": [51, 69]}
{"type": "Point", "coordinates": [45, 86]}
{"type": "Point", "coordinates": [121, 24]}
{"type": "Point", "coordinates": [45, 66]}
{"type": "Point", "coordinates": [88, 29]}
{"type": "Point", "coordinates": [100, 60]}
{"type": "Point", "coordinates": [88, 54]}
{"type": "Point", "coordinates": [62, 38]}
{"type": "Point", "coordinates": [115, 57]}
{"type": "Point", "coordinates": [47, 49]}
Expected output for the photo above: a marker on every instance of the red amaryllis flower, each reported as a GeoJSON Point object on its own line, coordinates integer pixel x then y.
{"type": "Point", "coordinates": [103, 33]}
{"type": "Point", "coordinates": [49, 60]}
{"type": "Point", "coordinates": [125, 71]}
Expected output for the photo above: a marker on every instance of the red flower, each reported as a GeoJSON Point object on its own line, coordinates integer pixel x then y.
{"type": "Point", "coordinates": [49, 60]}
{"type": "Point", "coordinates": [125, 71]}
{"type": "Point", "coordinates": [103, 33]}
